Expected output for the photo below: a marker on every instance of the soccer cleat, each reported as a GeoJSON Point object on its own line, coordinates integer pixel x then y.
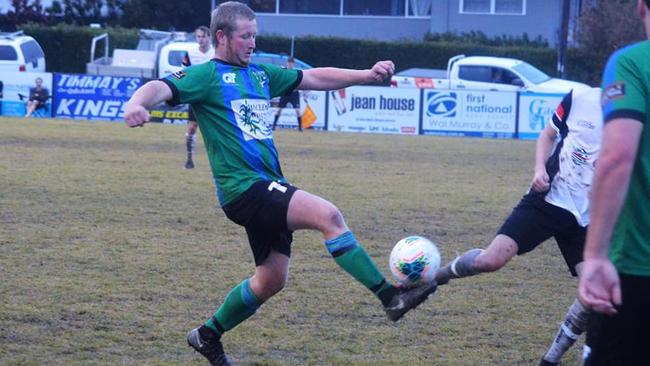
{"type": "Point", "coordinates": [189, 164]}
{"type": "Point", "coordinates": [212, 350]}
{"type": "Point", "coordinates": [407, 299]}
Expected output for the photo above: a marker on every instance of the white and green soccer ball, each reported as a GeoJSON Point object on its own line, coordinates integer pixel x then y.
{"type": "Point", "coordinates": [414, 261]}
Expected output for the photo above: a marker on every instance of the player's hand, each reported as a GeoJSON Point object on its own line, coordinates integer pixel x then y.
{"type": "Point", "coordinates": [541, 181]}
{"type": "Point", "coordinates": [135, 115]}
{"type": "Point", "coordinates": [382, 70]}
{"type": "Point", "coordinates": [600, 287]}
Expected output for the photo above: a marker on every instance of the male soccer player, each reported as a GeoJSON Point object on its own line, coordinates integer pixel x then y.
{"type": "Point", "coordinates": [230, 97]}
{"type": "Point", "coordinates": [196, 56]}
{"type": "Point", "coordinates": [556, 205]}
{"type": "Point", "coordinates": [616, 277]}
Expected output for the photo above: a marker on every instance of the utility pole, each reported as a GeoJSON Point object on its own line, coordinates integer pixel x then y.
{"type": "Point", "coordinates": [564, 35]}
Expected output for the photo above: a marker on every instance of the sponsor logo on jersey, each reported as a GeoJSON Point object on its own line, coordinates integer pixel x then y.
{"type": "Point", "coordinates": [261, 77]}
{"type": "Point", "coordinates": [580, 156]}
{"type": "Point", "coordinates": [252, 118]}
{"type": "Point", "coordinates": [229, 78]}
{"type": "Point", "coordinates": [613, 92]}
{"type": "Point", "coordinates": [179, 74]}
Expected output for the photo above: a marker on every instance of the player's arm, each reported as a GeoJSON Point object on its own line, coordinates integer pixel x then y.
{"type": "Point", "coordinates": [545, 143]}
{"type": "Point", "coordinates": [148, 95]}
{"type": "Point", "coordinates": [332, 78]}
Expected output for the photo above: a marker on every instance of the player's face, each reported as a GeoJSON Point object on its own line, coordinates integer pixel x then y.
{"type": "Point", "coordinates": [202, 39]}
{"type": "Point", "coordinates": [241, 43]}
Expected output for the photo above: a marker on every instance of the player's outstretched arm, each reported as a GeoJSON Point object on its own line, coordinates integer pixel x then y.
{"type": "Point", "coordinates": [545, 142]}
{"type": "Point", "coordinates": [331, 78]}
{"type": "Point", "coordinates": [148, 95]}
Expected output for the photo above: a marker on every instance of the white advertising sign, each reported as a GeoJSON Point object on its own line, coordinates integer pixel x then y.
{"type": "Point", "coordinates": [315, 100]}
{"type": "Point", "coordinates": [469, 113]}
{"type": "Point", "coordinates": [374, 109]}
{"type": "Point", "coordinates": [535, 112]}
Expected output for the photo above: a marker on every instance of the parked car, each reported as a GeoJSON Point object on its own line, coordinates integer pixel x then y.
{"type": "Point", "coordinates": [19, 52]}
{"type": "Point", "coordinates": [485, 73]}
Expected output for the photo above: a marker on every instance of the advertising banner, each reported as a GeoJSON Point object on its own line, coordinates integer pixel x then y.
{"type": "Point", "coordinates": [535, 112]}
{"type": "Point", "coordinates": [15, 92]}
{"type": "Point", "coordinates": [92, 97]}
{"type": "Point", "coordinates": [164, 113]}
{"type": "Point", "coordinates": [374, 109]}
{"type": "Point", "coordinates": [469, 113]}
{"type": "Point", "coordinates": [288, 119]}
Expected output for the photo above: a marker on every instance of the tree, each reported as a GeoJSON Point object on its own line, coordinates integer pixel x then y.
{"type": "Point", "coordinates": [602, 29]}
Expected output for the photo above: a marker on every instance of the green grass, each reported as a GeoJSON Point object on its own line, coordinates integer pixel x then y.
{"type": "Point", "coordinates": [110, 251]}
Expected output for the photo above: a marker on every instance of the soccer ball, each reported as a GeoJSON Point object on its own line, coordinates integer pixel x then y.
{"type": "Point", "coordinates": [414, 261]}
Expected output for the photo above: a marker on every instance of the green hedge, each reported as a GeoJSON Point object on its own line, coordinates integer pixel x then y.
{"type": "Point", "coordinates": [67, 49]}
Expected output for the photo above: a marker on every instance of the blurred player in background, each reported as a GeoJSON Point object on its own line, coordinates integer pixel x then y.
{"type": "Point", "coordinates": [196, 56]}
{"type": "Point", "coordinates": [556, 205]}
{"type": "Point", "coordinates": [231, 99]}
{"type": "Point", "coordinates": [293, 98]}
{"type": "Point", "coordinates": [615, 281]}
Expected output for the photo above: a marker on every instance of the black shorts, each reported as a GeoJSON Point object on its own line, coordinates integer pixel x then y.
{"type": "Point", "coordinates": [622, 339]}
{"type": "Point", "coordinates": [534, 220]}
{"type": "Point", "coordinates": [190, 114]}
{"type": "Point", "coordinates": [293, 98]}
{"type": "Point", "coordinates": [262, 210]}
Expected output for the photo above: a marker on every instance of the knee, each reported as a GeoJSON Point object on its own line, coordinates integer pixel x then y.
{"type": "Point", "coordinates": [267, 286]}
{"type": "Point", "coordinates": [333, 218]}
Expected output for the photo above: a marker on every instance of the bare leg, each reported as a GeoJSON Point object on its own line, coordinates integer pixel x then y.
{"type": "Point", "coordinates": [476, 261]}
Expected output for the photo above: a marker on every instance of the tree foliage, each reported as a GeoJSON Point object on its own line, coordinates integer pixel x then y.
{"type": "Point", "coordinates": [602, 29]}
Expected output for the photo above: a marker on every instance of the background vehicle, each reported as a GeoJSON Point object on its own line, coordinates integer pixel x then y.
{"type": "Point", "coordinates": [19, 52]}
{"type": "Point", "coordinates": [158, 54]}
{"type": "Point", "coordinates": [485, 73]}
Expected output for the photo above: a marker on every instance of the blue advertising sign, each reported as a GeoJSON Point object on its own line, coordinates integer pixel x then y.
{"type": "Point", "coordinates": [535, 112]}
{"type": "Point", "coordinates": [17, 88]}
{"type": "Point", "coordinates": [469, 113]}
{"type": "Point", "coordinates": [91, 96]}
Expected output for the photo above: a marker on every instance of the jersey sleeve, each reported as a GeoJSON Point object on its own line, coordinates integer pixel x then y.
{"type": "Point", "coordinates": [559, 119]}
{"type": "Point", "coordinates": [624, 93]}
{"type": "Point", "coordinates": [189, 85]}
{"type": "Point", "coordinates": [281, 81]}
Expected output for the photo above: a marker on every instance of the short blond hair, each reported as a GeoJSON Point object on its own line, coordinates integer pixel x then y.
{"type": "Point", "coordinates": [225, 17]}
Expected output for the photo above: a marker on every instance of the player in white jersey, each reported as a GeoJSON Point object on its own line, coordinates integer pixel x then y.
{"type": "Point", "coordinates": [203, 53]}
{"type": "Point", "coordinates": [556, 205]}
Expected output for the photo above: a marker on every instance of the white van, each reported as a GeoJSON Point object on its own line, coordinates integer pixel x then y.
{"type": "Point", "coordinates": [19, 52]}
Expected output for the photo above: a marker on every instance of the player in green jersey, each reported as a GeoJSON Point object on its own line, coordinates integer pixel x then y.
{"type": "Point", "coordinates": [615, 278]}
{"type": "Point", "coordinates": [230, 97]}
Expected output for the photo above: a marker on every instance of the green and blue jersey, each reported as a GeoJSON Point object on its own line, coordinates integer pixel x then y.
{"type": "Point", "coordinates": [626, 94]}
{"type": "Point", "coordinates": [231, 104]}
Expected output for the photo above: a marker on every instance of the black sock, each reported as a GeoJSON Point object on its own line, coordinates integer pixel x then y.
{"type": "Point", "coordinates": [275, 120]}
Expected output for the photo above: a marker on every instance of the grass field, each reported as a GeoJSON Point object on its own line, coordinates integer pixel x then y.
{"type": "Point", "coordinates": [110, 251]}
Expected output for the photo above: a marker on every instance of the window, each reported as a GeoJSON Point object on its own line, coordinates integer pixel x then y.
{"type": "Point", "coordinates": [258, 6]}
{"type": "Point", "coordinates": [310, 6]}
{"type": "Point", "coordinates": [31, 51]}
{"type": "Point", "coordinates": [374, 7]}
{"type": "Point", "coordinates": [175, 57]}
{"type": "Point", "coordinates": [504, 7]}
{"type": "Point", "coordinates": [8, 53]}
{"type": "Point", "coordinates": [395, 8]}
{"type": "Point", "coordinates": [531, 73]}
{"type": "Point", "coordinates": [475, 73]}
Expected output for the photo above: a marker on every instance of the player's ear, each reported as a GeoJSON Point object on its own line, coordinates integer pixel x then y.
{"type": "Point", "coordinates": [221, 36]}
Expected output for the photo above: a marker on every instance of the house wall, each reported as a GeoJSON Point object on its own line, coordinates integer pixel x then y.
{"type": "Point", "coordinates": [542, 18]}
{"type": "Point", "coordinates": [364, 27]}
